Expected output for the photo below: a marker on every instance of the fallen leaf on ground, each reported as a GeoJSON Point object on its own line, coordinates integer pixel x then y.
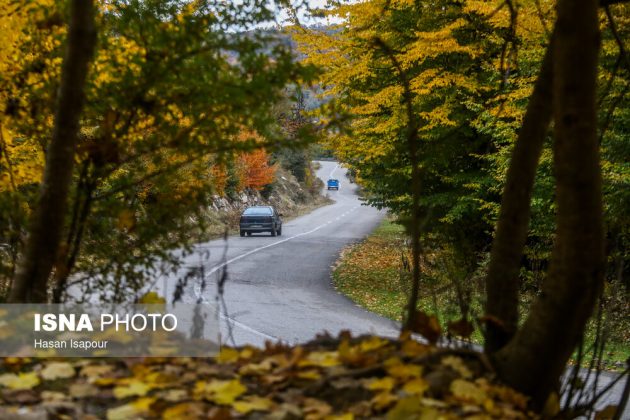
{"type": "Point", "coordinates": [57, 370]}
{"type": "Point", "coordinates": [133, 388]}
{"type": "Point", "coordinates": [19, 381]}
{"type": "Point", "coordinates": [133, 410]}
{"type": "Point", "coordinates": [468, 391]}
{"type": "Point", "coordinates": [253, 403]}
{"type": "Point", "coordinates": [220, 392]}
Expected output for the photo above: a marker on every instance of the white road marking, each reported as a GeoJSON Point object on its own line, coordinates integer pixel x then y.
{"type": "Point", "coordinates": [197, 287]}
{"type": "Point", "coordinates": [333, 171]}
{"type": "Point", "coordinates": [253, 251]}
{"type": "Point", "coordinates": [249, 329]}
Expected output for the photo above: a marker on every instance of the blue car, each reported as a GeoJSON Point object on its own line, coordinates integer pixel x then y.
{"type": "Point", "coordinates": [333, 184]}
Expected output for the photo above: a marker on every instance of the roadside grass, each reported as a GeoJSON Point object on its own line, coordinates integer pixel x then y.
{"type": "Point", "coordinates": [370, 274]}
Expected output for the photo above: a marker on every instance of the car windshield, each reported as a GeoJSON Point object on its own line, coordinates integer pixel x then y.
{"type": "Point", "coordinates": [333, 180]}
{"type": "Point", "coordinates": [257, 211]}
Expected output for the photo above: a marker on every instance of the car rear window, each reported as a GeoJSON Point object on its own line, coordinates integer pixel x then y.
{"type": "Point", "coordinates": [257, 211]}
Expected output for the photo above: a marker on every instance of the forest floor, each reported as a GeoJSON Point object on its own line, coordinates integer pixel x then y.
{"type": "Point", "coordinates": [342, 378]}
{"type": "Point", "coordinates": [370, 274]}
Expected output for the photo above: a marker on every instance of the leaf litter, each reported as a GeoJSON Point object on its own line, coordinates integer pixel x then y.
{"type": "Point", "coordinates": [328, 378]}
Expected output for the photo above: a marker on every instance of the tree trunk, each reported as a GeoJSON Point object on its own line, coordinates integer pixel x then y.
{"type": "Point", "coordinates": [534, 360]}
{"type": "Point", "coordinates": [30, 283]}
{"type": "Point", "coordinates": [416, 180]}
{"type": "Point", "coordinates": [502, 281]}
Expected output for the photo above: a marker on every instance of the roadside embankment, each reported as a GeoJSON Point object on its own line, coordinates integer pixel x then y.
{"type": "Point", "coordinates": [289, 196]}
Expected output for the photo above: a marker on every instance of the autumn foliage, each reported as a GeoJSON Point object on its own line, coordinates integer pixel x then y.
{"type": "Point", "coordinates": [248, 169]}
{"type": "Point", "coordinates": [343, 378]}
{"type": "Point", "coordinates": [257, 171]}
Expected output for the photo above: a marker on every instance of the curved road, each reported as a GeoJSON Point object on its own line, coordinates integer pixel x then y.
{"type": "Point", "coordinates": [279, 288]}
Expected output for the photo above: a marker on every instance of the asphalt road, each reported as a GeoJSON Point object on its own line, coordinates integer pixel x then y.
{"type": "Point", "coordinates": [279, 288]}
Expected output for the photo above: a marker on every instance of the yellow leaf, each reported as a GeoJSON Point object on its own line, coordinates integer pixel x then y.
{"type": "Point", "coordinates": [382, 400]}
{"type": "Point", "coordinates": [372, 343]}
{"type": "Point", "coordinates": [256, 368]}
{"type": "Point", "coordinates": [457, 364]}
{"type": "Point", "coordinates": [126, 219]}
{"type": "Point", "coordinates": [253, 403]}
{"type": "Point", "coordinates": [133, 388]}
{"type": "Point", "coordinates": [133, 410]}
{"type": "Point", "coordinates": [53, 396]}
{"type": "Point", "coordinates": [227, 355]}
{"type": "Point", "coordinates": [57, 370]}
{"type": "Point", "coordinates": [104, 381]}
{"type": "Point", "coordinates": [383, 384]}
{"type": "Point", "coordinates": [185, 411]}
{"type": "Point", "coordinates": [350, 354]}
{"type": "Point", "coordinates": [321, 358]}
{"type": "Point", "coordinates": [309, 374]}
{"type": "Point", "coordinates": [220, 392]}
{"type": "Point", "coordinates": [151, 298]}
{"type": "Point", "coordinates": [346, 416]}
{"type": "Point", "coordinates": [552, 406]}
{"type": "Point", "coordinates": [412, 408]}
{"type": "Point", "coordinates": [405, 371]}
{"type": "Point", "coordinates": [412, 348]}
{"type": "Point", "coordinates": [468, 391]}
{"type": "Point", "coordinates": [95, 371]}
{"type": "Point", "coordinates": [175, 395]}
{"type": "Point", "coordinates": [416, 386]}
{"type": "Point", "coordinates": [247, 353]}
{"type": "Point", "coordinates": [20, 381]}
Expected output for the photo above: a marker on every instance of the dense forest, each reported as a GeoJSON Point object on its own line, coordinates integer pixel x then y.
{"type": "Point", "coordinates": [470, 119]}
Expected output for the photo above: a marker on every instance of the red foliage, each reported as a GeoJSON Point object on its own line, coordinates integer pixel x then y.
{"type": "Point", "coordinates": [257, 171]}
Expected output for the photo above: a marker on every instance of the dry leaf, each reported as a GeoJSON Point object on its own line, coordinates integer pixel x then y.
{"type": "Point", "coordinates": [136, 409]}
{"type": "Point", "coordinates": [552, 406]}
{"type": "Point", "coordinates": [19, 381]}
{"type": "Point", "coordinates": [253, 403]}
{"type": "Point", "coordinates": [381, 384]}
{"type": "Point", "coordinates": [220, 392]}
{"type": "Point", "coordinates": [133, 388]}
{"type": "Point", "coordinates": [458, 365]}
{"type": "Point", "coordinates": [426, 325]}
{"type": "Point", "coordinates": [468, 391]}
{"type": "Point", "coordinates": [461, 328]}
{"type": "Point", "coordinates": [81, 390]}
{"type": "Point", "coordinates": [416, 386]}
{"type": "Point", "coordinates": [57, 370]}
{"type": "Point", "coordinates": [402, 371]}
{"type": "Point", "coordinates": [383, 400]}
{"type": "Point", "coordinates": [372, 343]}
{"type": "Point", "coordinates": [227, 355]}
{"type": "Point", "coordinates": [185, 411]}
{"type": "Point", "coordinates": [321, 359]}
{"type": "Point", "coordinates": [412, 408]}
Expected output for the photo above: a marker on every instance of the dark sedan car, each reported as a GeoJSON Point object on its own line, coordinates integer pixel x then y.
{"type": "Point", "coordinates": [261, 219]}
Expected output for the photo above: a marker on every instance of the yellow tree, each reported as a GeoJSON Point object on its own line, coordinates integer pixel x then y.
{"type": "Point", "coordinates": [168, 90]}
